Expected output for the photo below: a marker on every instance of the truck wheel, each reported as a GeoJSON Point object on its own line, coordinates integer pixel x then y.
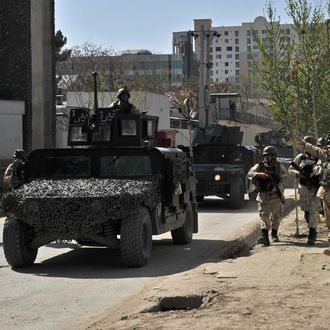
{"type": "Point", "coordinates": [237, 194]}
{"type": "Point", "coordinates": [183, 235]}
{"type": "Point", "coordinates": [17, 237]}
{"type": "Point", "coordinates": [136, 239]}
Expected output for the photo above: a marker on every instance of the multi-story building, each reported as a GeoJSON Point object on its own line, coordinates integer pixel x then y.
{"type": "Point", "coordinates": [231, 52]}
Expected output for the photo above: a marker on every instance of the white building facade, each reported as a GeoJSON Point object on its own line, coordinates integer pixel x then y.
{"type": "Point", "coordinates": [231, 51]}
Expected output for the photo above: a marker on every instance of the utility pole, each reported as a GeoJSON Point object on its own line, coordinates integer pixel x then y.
{"type": "Point", "coordinates": [201, 84]}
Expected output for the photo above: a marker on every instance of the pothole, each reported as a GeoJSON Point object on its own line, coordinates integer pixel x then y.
{"type": "Point", "coordinates": [176, 303]}
{"type": "Point", "coordinates": [180, 303]}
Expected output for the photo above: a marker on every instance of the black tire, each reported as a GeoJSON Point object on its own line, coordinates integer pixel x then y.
{"type": "Point", "coordinates": [199, 199]}
{"type": "Point", "coordinates": [184, 234]}
{"type": "Point", "coordinates": [237, 194]}
{"type": "Point", "coordinates": [136, 239]}
{"type": "Point", "coordinates": [17, 236]}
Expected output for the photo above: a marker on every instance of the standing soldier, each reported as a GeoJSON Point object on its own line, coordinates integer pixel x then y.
{"type": "Point", "coordinates": [269, 176]}
{"type": "Point", "coordinates": [324, 190]}
{"type": "Point", "coordinates": [14, 175]}
{"type": "Point", "coordinates": [304, 168]}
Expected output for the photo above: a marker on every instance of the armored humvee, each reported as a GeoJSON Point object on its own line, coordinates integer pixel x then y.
{"type": "Point", "coordinates": [112, 188]}
{"type": "Point", "coordinates": [221, 163]}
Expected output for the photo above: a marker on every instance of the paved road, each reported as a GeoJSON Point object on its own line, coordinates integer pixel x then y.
{"type": "Point", "coordinates": [71, 283]}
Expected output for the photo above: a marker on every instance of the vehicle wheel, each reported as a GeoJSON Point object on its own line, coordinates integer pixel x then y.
{"type": "Point", "coordinates": [17, 237]}
{"type": "Point", "coordinates": [183, 235]}
{"type": "Point", "coordinates": [136, 239]}
{"type": "Point", "coordinates": [199, 199]}
{"type": "Point", "coordinates": [237, 194]}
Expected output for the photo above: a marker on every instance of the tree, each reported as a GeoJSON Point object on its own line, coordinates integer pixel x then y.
{"type": "Point", "coordinates": [295, 72]}
{"type": "Point", "coordinates": [60, 53]}
{"type": "Point", "coordinates": [270, 71]}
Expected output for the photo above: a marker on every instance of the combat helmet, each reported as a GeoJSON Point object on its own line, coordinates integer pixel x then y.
{"type": "Point", "coordinates": [310, 139]}
{"type": "Point", "coordinates": [269, 150]}
{"type": "Point", "coordinates": [123, 91]}
{"type": "Point", "coordinates": [19, 154]}
{"type": "Point", "coordinates": [321, 142]}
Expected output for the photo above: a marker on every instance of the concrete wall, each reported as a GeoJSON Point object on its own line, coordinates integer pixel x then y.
{"type": "Point", "coordinates": [11, 127]}
{"type": "Point", "coordinates": [42, 74]}
{"type": "Point", "coordinates": [27, 67]}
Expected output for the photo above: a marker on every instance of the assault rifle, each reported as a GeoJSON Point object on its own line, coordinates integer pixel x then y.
{"type": "Point", "coordinates": [311, 181]}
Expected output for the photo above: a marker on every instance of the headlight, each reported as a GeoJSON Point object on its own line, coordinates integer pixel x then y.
{"type": "Point", "coordinates": [217, 177]}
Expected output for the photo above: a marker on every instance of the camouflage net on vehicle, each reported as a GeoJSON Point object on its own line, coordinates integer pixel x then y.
{"type": "Point", "coordinates": [67, 208]}
{"type": "Point", "coordinates": [179, 170]}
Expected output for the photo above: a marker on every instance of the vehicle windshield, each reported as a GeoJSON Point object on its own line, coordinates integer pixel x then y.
{"type": "Point", "coordinates": [125, 165]}
{"type": "Point", "coordinates": [67, 167]}
{"type": "Point", "coordinates": [212, 154]}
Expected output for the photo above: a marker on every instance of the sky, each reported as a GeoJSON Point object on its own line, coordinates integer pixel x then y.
{"type": "Point", "coordinates": [149, 24]}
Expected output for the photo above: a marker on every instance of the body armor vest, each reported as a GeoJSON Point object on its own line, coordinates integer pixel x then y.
{"type": "Point", "coordinates": [274, 177]}
{"type": "Point", "coordinates": [325, 175]}
{"type": "Point", "coordinates": [307, 164]}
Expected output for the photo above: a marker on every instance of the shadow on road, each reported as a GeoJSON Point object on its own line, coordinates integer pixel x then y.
{"type": "Point", "coordinates": [94, 262]}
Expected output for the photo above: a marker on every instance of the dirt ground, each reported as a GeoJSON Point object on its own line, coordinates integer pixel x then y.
{"type": "Point", "coordinates": [284, 286]}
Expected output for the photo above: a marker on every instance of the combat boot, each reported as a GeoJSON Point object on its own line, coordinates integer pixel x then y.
{"type": "Point", "coordinates": [264, 239]}
{"type": "Point", "coordinates": [275, 235]}
{"type": "Point", "coordinates": [311, 236]}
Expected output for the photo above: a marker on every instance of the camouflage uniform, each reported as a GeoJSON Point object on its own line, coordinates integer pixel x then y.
{"type": "Point", "coordinates": [309, 202]}
{"type": "Point", "coordinates": [13, 175]}
{"type": "Point", "coordinates": [122, 105]}
{"type": "Point", "coordinates": [270, 204]}
{"type": "Point", "coordinates": [324, 190]}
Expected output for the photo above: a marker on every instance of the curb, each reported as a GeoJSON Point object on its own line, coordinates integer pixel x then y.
{"type": "Point", "coordinates": [242, 245]}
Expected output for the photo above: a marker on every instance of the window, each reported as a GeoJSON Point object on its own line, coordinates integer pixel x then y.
{"type": "Point", "coordinates": [226, 33]}
{"type": "Point", "coordinates": [248, 48]}
{"type": "Point", "coordinates": [216, 72]}
{"type": "Point", "coordinates": [248, 33]}
{"type": "Point", "coordinates": [287, 31]}
{"type": "Point", "coordinates": [236, 41]}
{"type": "Point", "coordinates": [236, 64]}
{"type": "Point", "coordinates": [216, 63]}
{"type": "Point", "coordinates": [236, 49]}
{"type": "Point", "coordinates": [236, 72]}
{"type": "Point", "coordinates": [226, 63]}
{"type": "Point", "coordinates": [226, 71]}
{"type": "Point", "coordinates": [263, 31]}
{"type": "Point", "coordinates": [211, 50]}
{"type": "Point", "coordinates": [229, 56]}
{"type": "Point", "coordinates": [218, 49]}
{"type": "Point", "coordinates": [218, 56]}
{"type": "Point", "coordinates": [229, 49]}
{"type": "Point", "coordinates": [236, 33]}
{"type": "Point", "coordinates": [236, 56]}
{"type": "Point", "coordinates": [125, 165]}
{"type": "Point", "coordinates": [211, 57]}
{"type": "Point", "coordinates": [248, 40]}
{"type": "Point", "coordinates": [226, 41]}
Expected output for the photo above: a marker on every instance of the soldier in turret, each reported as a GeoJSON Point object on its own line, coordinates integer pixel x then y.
{"type": "Point", "coordinates": [324, 190]}
{"type": "Point", "coordinates": [123, 105]}
{"type": "Point", "coordinates": [269, 176]}
{"type": "Point", "coordinates": [308, 186]}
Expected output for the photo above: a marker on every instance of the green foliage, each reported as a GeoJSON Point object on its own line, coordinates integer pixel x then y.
{"type": "Point", "coordinates": [295, 71]}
